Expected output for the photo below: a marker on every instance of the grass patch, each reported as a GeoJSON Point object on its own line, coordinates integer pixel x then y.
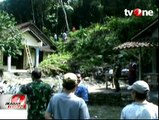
{"type": "Point", "coordinates": [104, 112]}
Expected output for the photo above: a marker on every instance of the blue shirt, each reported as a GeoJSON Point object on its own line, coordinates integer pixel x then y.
{"type": "Point", "coordinates": [82, 91]}
{"type": "Point", "coordinates": [67, 106]}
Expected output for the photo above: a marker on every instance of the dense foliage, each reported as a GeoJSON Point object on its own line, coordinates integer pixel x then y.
{"type": "Point", "coordinates": [92, 47]}
{"type": "Point", "coordinates": [56, 63]}
{"type": "Point", "coordinates": [100, 25]}
{"type": "Point", "coordinates": [48, 15]}
{"type": "Point", "coordinates": [10, 36]}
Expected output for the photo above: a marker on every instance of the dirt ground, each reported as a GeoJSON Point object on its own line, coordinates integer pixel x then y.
{"type": "Point", "coordinates": [104, 112]}
{"type": "Point", "coordinates": [96, 111]}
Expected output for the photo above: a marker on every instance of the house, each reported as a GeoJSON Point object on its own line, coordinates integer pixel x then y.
{"type": "Point", "coordinates": [147, 37]}
{"type": "Point", "coordinates": [37, 46]}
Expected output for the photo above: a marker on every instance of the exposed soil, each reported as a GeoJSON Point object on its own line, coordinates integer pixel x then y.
{"type": "Point", "coordinates": [96, 111]}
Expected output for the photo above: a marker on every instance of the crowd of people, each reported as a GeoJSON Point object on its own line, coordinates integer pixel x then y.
{"type": "Point", "coordinates": [63, 36]}
{"type": "Point", "coordinates": [72, 101]}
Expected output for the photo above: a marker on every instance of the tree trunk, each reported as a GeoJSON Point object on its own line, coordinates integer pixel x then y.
{"type": "Point", "coordinates": [33, 14]}
{"type": "Point", "coordinates": [66, 20]}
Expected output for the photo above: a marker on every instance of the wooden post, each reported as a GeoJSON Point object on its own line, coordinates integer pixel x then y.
{"type": "Point", "coordinates": [9, 63]}
{"type": "Point", "coordinates": [37, 57]}
{"type": "Point", "coordinates": [139, 63]}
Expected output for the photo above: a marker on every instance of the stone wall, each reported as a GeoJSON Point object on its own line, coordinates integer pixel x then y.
{"type": "Point", "coordinates": [116, 99]}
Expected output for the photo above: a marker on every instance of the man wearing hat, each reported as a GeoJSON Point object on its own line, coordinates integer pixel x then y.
{"type": "Point", "coordinates": [140, 108]}
{"type": "Point", "coordinates": [66, 105]}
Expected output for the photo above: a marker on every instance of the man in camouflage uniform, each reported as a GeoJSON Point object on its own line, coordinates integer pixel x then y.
{"type": "Point", "coordinates": [38, 95]}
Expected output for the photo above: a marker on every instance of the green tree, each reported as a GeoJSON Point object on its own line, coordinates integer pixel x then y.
{"type": "Point", "coordinates": [10, 36]}
{"type": "Point", "coordinates": [93, 46]}
{"type": "Point", "coordinates": [49, 16]}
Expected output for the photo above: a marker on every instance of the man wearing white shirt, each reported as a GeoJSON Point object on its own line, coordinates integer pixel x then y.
{"type": "Point", "coordinates": [140, 108]}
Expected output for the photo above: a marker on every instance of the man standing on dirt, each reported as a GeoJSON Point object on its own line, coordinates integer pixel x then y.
{"type": "Point", "coordinates": [38, 95]}
{"type": "Point", "coordinates": [132, 72]}
{"type": "Point", "coordinates": [117, 74]}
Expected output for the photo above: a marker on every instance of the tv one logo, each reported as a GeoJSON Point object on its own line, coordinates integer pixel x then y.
{"type": "Point", "coordinates": [17, 101]}
{"type": "Point", "coordinates": [138, 12]}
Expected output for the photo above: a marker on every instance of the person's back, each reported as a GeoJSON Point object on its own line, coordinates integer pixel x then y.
{"type": "Point", "coordinates": [67, 105]}
{"type": "Point", "coordinates": [132, 73]}
{"type": "Point", "coordinates": [117, 69]}
{"type": "Point", "coordinates": [117, 74]}
{"type": "Point", "coordinates": [38, 96]}
{"type": "Point", "coordinates": [82, 91]}
{"type": "Point", "coordinates": [137, 110]}
{"type": "Point", "coordinates": [64, 36]}
{"type": "Point", "coordinates": [141, 108]}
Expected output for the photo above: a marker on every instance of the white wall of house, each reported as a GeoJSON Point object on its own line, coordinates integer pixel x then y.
{"type": "Point", "coordinates": [30, 40]}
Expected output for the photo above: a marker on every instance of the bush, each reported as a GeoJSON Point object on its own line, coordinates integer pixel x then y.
{"type": "Point", "coordinates": [55, 63]}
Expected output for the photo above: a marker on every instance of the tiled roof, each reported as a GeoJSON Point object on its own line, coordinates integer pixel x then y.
{"type": "Point", "coordinates": [145, 42]}
{"type": "Point", "coordinates": [128, 45]}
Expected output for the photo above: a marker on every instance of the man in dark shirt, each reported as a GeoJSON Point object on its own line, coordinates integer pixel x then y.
{"type": "Point", "coordinates": [132, 72]}
{"type": "Point", "coordinates": [117, 74]}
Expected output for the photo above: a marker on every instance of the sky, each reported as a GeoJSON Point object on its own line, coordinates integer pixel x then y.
{"type": "Point", "coordinates": [1, 0]}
